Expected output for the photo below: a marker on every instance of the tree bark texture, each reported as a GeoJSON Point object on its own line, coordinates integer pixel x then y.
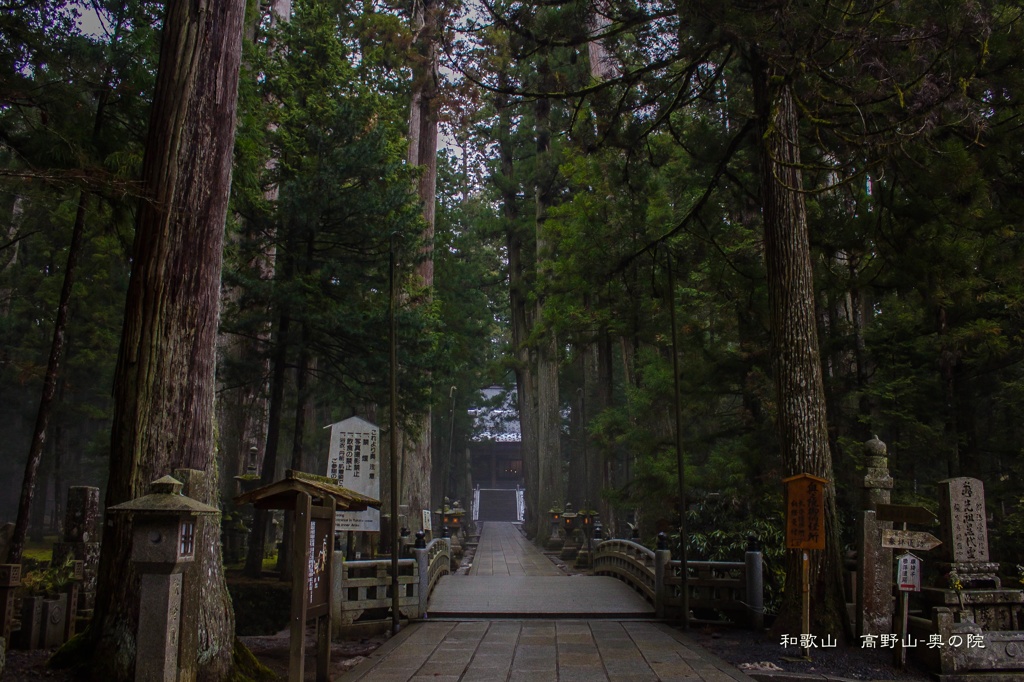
{"type": "Point", "coordinates": [164, 380]}
{"type": "Point", "coordinates": [268, 470]}
{"type": "Point", "coordinates": [520, 315]}
{"type": "Point", "coordinates": [800, 393]}
{"type": "Point", "coordinates": [549, 417]}
{"type": "Point", "coordinates": [416, 466]}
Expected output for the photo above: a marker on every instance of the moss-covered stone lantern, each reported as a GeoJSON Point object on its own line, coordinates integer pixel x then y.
{"type": "Point", "coordinates": [163, 542]}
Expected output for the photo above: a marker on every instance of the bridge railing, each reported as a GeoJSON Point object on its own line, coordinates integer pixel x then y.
{"type": "Point", "coordinates": [363, 588]}
{"type": "Point", "coordinates": [732, 588]}
{"type": "Point", "coordinates": [630, 562]}
{"type": "Point", "coordinates": [432, 562]}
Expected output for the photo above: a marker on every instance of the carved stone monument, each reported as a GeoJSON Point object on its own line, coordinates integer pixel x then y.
{"type": "Point", "coordinates": [965, 533]}
{"type": "Point", "coordinates": [969, 605]}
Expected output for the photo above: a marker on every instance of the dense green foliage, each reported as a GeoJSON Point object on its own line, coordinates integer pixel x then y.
{"type": "Point", "coordinates": [909, 126]}
{"type": "Point", "coordinates": [570, 194]}
{"type": "Point", "coordinates": [73, 110]}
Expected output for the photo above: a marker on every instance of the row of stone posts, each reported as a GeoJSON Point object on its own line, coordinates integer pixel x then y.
{"type": "Point", "coordinates": [48, 621]}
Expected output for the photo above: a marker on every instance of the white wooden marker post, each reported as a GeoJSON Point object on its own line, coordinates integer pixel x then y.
{"type": "Point", "coordinates": [908, 578]}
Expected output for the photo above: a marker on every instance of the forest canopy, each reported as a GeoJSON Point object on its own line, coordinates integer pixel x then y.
{"type": "Point", "coordinates": [758, 236]}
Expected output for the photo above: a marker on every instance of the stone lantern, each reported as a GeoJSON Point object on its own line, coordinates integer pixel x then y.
{"type": "Point", "coordinates": [163, 542]}
{"type": "Point", "coordinates": [570, 548]}
{"type": "Point", "coordinates": [555, 542]}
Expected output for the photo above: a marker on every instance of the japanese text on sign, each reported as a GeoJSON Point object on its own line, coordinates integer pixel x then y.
{"type": "Point", "coordinates": [908, 573]}
{"type": "Point", "coordinates": [354, 460]}
{"type": "Point", "coordinates": [805, 512]}
{"type": "Point", "coordinates": [320, 544]}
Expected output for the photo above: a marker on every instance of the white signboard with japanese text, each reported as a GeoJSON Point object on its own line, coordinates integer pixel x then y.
{"type": "Point", "coordinates": [354, 460]}
{"type": "Point", "coordinates": [908, 572]}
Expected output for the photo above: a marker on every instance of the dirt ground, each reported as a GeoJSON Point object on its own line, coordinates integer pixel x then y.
{"type": "Point", "coordinates": [272, 651]}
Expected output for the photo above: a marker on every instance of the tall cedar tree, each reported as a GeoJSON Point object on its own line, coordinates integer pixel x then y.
{"type": "Point", "coordinates": [164, 383]}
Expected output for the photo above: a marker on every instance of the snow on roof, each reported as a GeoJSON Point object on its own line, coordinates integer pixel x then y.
{"type": "Point", "coordinates": [496, 419]}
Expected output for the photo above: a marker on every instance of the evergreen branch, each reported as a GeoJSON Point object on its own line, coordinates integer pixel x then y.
{"type": "Point", "coordinates": [720, 170]}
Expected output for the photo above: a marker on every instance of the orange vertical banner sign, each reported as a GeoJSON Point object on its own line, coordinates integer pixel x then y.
{"type": "Point", "coordinates": [805, 512]}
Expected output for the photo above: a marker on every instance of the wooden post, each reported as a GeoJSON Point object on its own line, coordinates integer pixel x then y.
{"type": "Point", "coordinates": [805, 580]}
{"type": "Point", "coordinates": [901, 658]}
{"type": "Point", "coordinates": [300, 559]}
{"type": "Point", "coordinates": [323, 621]}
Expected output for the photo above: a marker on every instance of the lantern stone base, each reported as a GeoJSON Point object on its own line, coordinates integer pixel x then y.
{"type": "Point", "coordinates": [554, 543]}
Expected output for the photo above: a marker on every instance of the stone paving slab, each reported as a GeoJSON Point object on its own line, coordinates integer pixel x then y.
{"type": "Point", "coordinates": [458, 596]}
{"type": "Point", "coordinates": [574, 650]}
{"type": "Point", "coordinates": [504, 550]}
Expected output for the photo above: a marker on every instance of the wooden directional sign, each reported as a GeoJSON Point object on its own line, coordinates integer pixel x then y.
{"type": "Point", "coordinates": [905, 513]}
{"type": "Point", "coordinates": [909, 539]}
{"type": "Point", "coordinates": [805, 512]}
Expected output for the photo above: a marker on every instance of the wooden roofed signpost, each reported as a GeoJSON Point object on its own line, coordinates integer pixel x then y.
{"type": "Point", "coordinates": [312, 547]}
{"type": "Point", "coordinates": [805, 530]}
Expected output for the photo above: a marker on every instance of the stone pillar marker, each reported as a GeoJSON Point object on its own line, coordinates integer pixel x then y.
{"type": "Point", "coordinates": [874, 582]}
{"type": "Point", "coordinates": [81, 540]}
{"type": "Point", "coordinates": [965, 532]}
{"type": "Point", "coordinates": [163, 542]}
{"type": "Point", "coordinates": [10, 580]}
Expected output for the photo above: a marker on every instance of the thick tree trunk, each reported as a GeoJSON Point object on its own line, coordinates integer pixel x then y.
{"type": "Point", "coordinates": [164, 381]}
{"type": "Point", "coordinates": [800, 395]}
{"type": "Point", "coordinates": [416, 468]}
{"type": "Point", "coordinates": [268, 471]}
{"type": "Point", "coordinates": [549, 417]}
{"type": "Point", "coordinates": [520, 315]}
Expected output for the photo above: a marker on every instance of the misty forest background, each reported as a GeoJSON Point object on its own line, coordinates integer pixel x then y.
{"type": "Point", "coordinates": [591, 155]}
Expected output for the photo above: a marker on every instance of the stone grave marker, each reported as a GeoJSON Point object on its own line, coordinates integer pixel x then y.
{"type": "Point", "coordinates": [965, 532]}
{"type": "Point", "coordinates": [874, 579]}
{"type": "Point", "coordinates": [81, 540]}
{"type": "Point", "coordinates": [962, 513]}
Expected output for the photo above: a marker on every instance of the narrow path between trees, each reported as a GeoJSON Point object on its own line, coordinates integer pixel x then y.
{"type": "Point", "coordinates": [511, 578]}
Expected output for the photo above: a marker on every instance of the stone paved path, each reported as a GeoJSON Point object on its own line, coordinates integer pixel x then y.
{"type": "Point", "coordinates": [575, 628]}
{"type": "Point", "coordinates": [511, 578]}
{"type": "Point", "coordinates": [542, 651]}
{"type": "Point", "coordinates": [504, 550]}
